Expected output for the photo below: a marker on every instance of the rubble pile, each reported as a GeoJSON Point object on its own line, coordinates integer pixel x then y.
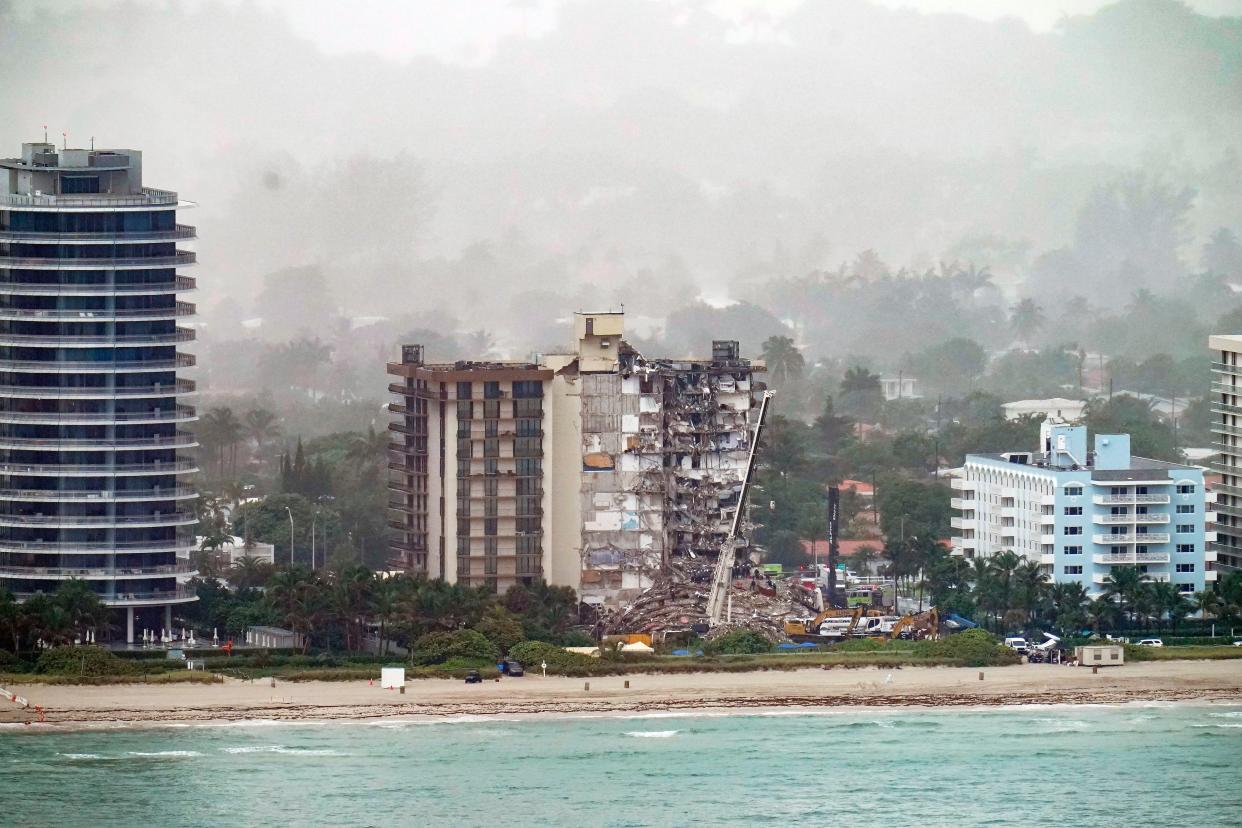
{"type": "Point", "coordinates": [677, 602]}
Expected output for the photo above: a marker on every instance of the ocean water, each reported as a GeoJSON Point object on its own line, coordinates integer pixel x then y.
{"type": "Point", "coordinates": [1130, 765]}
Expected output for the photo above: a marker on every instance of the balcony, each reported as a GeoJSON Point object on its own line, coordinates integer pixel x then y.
{"type": "Point", "coordinates": [1128, 499]}
{"type": "Point", "coordinates": [1209, 556]}
{"type": "Point", "coordinates": [1149, 518]}
{"type": "Point", "coordinates": [96, 315]}
{"type": "Point", "coordinates": [1101, 578]}
{"type": "Point", "coordinates": [963, 523]}
{"type": "Point", "coordinates": [1048, 500]}
{"type": "Point", "coordinates": [95, 469]}
{"type": "Point", "coordinates": [182, 414]}
{"type": "Point", "coordinates": [183, 231]}
{"type": "Point", "coordinates": [180, 284]}
{"type": "Point", "coordinates": [40, 572]}
{"type": "Point", "coordinates": [182, 258]}
{"type": "Point", "coordinates": [149, 197]}
{"type": "Point", "coordinates": [1115, 540]}
{"type": "Point", "coordinates": [1132, 558]}
{"type": "Point", "coordinates": [96, 366]}
{"type": "Point", "coordinates": [106, 521]}
{"type": "Point", "coordinates": [1210, 576]}
{"type": "Point", "coordinates": [961, 484]}
{"type": "Point", "coordinates": [70, 341]}
{"type": "Point", "coordinates": [93, 496]}
{"type": "Point", "coordinates": [183, 546]}
{"type": "Point", "coordinates": [1047, 559]}
{"type": "Point", "coordinates": [1049, 540]}
{"type": "Point", "coordinates": [42, 392]}
{"type": "Point", "coordinates": [182, 440]}
{"type": "Point", "coordinates": [960, 503]}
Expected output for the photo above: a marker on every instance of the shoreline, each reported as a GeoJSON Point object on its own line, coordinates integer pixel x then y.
{"type": "Point", "coordinates": [71, 707]}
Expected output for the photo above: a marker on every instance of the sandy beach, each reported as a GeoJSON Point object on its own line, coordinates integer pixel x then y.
{"type": "Point", "coordinates": [929, 686]}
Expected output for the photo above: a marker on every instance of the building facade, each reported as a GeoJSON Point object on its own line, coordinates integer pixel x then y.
{"type": "Point", "coordinates": [1082, 512]}
{"type": "Point", "coordinates": [92, 417]}
{"type": "Point", "coordinates": [1227, 440]}
{"type": "Point", "coordinates": [591, 469]}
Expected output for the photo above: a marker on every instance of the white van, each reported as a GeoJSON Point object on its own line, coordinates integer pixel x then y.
{"type": "Point", "coordinates": [1151, 642]}
{"type": "Point", "coordinates": [1017, 643]}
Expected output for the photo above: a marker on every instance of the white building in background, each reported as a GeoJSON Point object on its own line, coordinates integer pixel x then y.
{"type": "Point", "coordinates": [1056, 408]}
{"type": "Point", "coordinates": [234, 549]}
{"type": "Point", "coordinates": [900, 388]}
{"type": "Point", "coordinates": [1082, 513]}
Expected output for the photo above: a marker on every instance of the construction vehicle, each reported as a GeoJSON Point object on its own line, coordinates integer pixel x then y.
{"type": "Point", "coordinates": [831, 623]}
{"type": "Point", "coordinates": [923, 625]}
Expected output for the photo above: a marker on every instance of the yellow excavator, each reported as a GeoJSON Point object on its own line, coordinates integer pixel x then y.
{"type": "Point", "coordinates": [927, 623]}
{"type": "Point", "coordinates": [802, 630]}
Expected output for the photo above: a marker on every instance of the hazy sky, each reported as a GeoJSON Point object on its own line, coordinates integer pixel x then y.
{"type": "Point", "coordinates": [466, 31]}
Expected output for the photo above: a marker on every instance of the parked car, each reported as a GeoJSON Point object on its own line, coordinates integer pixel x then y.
{"type": "Point", "coordinates": [473, 677]}
{"type": "Point", "coordinates": [1017, 643]}
{"type": "Point", "coordinates": [514, 669]}
{"type": "Point", "coordinates": [1151, 642]}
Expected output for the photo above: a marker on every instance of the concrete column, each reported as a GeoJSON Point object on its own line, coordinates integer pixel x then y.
{"type": "Point", "coordinates": [168, 617]}
{"type": "Point", "coordinates": [129, 625]}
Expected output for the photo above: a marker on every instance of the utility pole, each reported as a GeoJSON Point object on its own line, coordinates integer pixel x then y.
{"type": "Point", "coordinates": [290, 511]}
{"type": "Point", "coordinates": [834, 549]}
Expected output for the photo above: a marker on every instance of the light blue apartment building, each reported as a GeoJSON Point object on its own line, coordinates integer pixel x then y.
{"type": "Point", "coordinates": [1082, 512]}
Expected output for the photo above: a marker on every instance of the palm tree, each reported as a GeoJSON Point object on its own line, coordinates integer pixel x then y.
{"type": "Point", "coordinates": [1208, 603]}
{"type": "Point", "coordinates": [1069, 601]}
{"type": "Point", "coordinates": [1026, 317]}
{"type": "Point", "coordinates": [1123, 583]}
{"type": "Point", "coordinates": [1102, 613]}
{"type": "Point", "coordinates": [81, 605]}
{"type": "Point", "coordinates": [249, 572]}
{"type": "Point", "coordinates": [262, 427]}
{"type": "Point", "coordinates": [386, 600]}
{"type": "Point", "coordinates": [784, 360]}
{"type": "Point", "coordinates": [859, 379]}
{"type": "Point", "coordinates": [223, 431]}
{"type": "Point", "coordinates": [1030, 585]}
{"type": "Point", "coordinates": [370, 449]}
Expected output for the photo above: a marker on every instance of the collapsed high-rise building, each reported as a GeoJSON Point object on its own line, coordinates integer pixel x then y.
{"type": "Point", "coordinates": [591, 469]}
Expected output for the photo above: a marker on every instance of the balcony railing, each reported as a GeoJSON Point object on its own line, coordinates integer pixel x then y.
{"type": "Point", "coordinates": [70, 341]}
{"type": "Point", "coordinates": [177, 285]}
{"type": "Point", "coordinates": [1129, 499]}
{"type": "Point", "coordinates": [92, 469]}
{"type": "Point", "coordinates": [116, 572]}
{"type": "Point", "coordinates": [1132, 558]}
{"type": "Point", "coordinates": [77, 521]}
{"type": "Point", "coordinates": [98, 315]}
{"type": "Point", "coordinates": [183, 439]}
{"type": "Point", "coordinates": [149, 197]}
{"type": "Point", "coordinates": [43, 392]}
{"type": "Point", "coordinates": [123, 599]}
{"type": "Point", "coordinates": [97, 496]}
{"type": "Point", "coordinates": [87, 548]}
{"type": "Point", "coordinates": [183, 413]}
{"type": "Point", "coordinates": [1151, 518]}
{"type": "Point", "coordinates": [1149, 537]}
{"type": "Point", "coordinates": [179, 259]}
{"type": "Point", "coordinates": [97, 366]}
{"type": "Point", "coordinates": [183, 231]}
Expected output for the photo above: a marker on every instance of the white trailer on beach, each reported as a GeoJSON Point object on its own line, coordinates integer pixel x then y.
{"type": "Point", "coordinates": [392, 677]}
{"type": "Point", "coordinates": [1100, 655]}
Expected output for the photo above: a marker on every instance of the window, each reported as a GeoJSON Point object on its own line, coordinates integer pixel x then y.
{"type": "Point", "coordinates": [531, 407]}
{"type": "Point", "coordinates": [491, 409]}
{"type": "Point", "coordinates": [491, 390]}
{"type": "Point", "coordinates": [79, 184]}
{"type": "Point", "coordinates": [1185, 528]}
{"type": "Point", "coordinates": [463, 527]}
{"type": "Point", "coordinates": [1072, 530]}
{"type": "Point", "coordinates": [1073, 510]}
{"type": "Point", "coordinates": [491, 487]}
{"type": "Point", "coordinates": [527, 389]}
{"type": "Point", "coordinates": [1185, 567]}
{"type": "Point", "coordinates": [529, 427]}
{"type": "Point", "coordinates": [1073, 491]}
{"type": "Point", "coordinates": [1072, 570]}
{"type": "Point", "coordinates": [1185, 509]}
{"type": "Point", "coordinates": [490, 526]}
{"type": "Point", "coordinates": [465, 411]}
{"type": "Point", "coordinates": [528, 486]}
{"type": "Point", "coordinates": [463, 392]}
{"type": "Point", "coordinates": [527, 447]}
{"type": "Point", "coordinates": [491, 447]}
{"type": "Point", "coordinates": [1186, 548]}
{"type": "Point", "coordinates": [1186, 488]}
{"type": "Point", "coordinates": [528, 545]}
{"type": "Point", "coordinates": [1073, 550]}
{"type": "Point", "coordinates": [1187, 588]}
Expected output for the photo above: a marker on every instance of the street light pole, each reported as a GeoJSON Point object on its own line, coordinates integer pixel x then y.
{"type": "Point", "coordinates": [314, 519]}
{"type": "Point", "coordinates": [290, 511]}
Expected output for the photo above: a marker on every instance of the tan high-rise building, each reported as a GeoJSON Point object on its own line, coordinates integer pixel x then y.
{"type": "Point", "coordinates": [1226, 401]}
{"type": "Point", "coordinates": [590, 469]}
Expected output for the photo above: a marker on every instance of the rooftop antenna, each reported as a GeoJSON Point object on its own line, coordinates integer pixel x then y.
{"type": "Point", "coordinates": [64, 137]}
{"type": "Point", "coordinates": [92, 143]}
{"type": "Point", "coordinates": [45, 133]}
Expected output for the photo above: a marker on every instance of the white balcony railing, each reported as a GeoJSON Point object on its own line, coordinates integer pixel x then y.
{"type": "Point", "coordinates": [1132, 558]}
{"type": "Point", "coordinates": [1148, 537]}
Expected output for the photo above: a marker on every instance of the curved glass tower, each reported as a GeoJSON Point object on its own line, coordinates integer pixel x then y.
{"type": "Point", "coordinates": [93, 479]}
